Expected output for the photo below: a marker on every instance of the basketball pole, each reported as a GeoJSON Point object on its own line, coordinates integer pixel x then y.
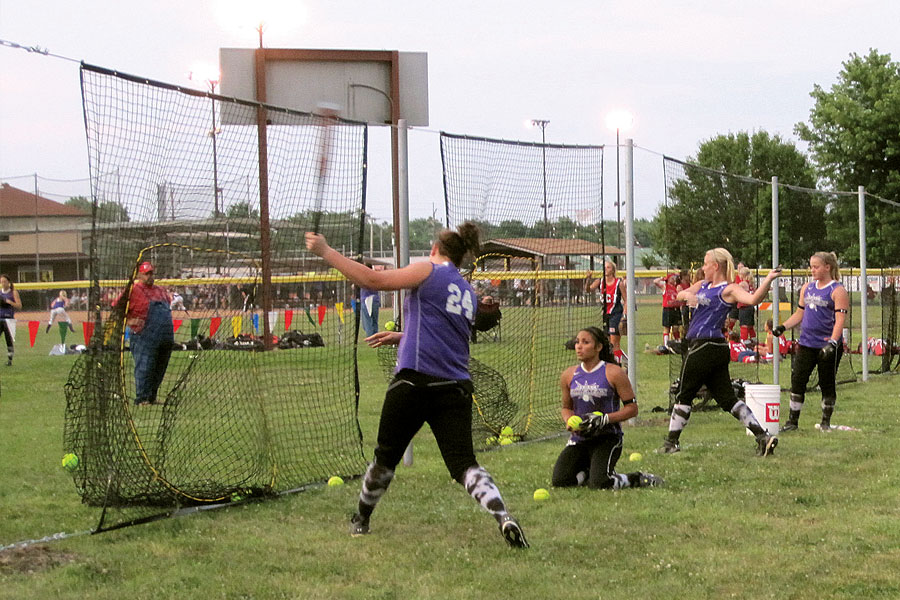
{"type": "Point", "coordinates": [403, 224]}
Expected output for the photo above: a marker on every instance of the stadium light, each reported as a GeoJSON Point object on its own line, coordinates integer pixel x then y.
{"type": "Point", "coordinates": [233, 15]}
{"type": "Point", "coordinates": [618, 120]}
{"type": "Point", "coordinates": [542, 123]}
{"type": "Point", "coordinates": [210, 76]}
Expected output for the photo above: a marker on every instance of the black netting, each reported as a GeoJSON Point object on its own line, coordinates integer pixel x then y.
{"type": "Point", "coordinates": [260, 394]}
{"type": "Point", "coordinates": [540, 208]}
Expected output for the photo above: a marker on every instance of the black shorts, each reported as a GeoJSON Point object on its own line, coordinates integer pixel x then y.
{"type": "Point", "coordinates": [733, 313]}
{"type": "Point", "coordinates": [671, 317]}
{"type": "Point", "coordinates": [746, 316]}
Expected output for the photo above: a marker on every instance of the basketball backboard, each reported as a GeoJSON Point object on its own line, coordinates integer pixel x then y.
{"type": "Point", "coordinates": [375, 86]}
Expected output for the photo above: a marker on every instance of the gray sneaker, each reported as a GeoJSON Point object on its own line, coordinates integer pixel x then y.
{"type": "Point", "coordinates": [512, 532]}
{"type": "Point", "coordinates": [669, 447]}
{"type": "Point", "coordinates": [765, 444]}
{"type": "Point", "coordinates": [650, 480]}
{"type": "Point", "coordinates": [358, 525]}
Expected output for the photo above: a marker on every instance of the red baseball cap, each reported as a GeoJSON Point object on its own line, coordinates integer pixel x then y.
{"type": "Point", "coordinates": [145, 267]}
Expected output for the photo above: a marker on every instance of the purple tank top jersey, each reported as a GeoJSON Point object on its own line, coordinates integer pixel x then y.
{"type": "Point", "coordinates": [438, 317]}
{"type": "Point", "coordinates": [712, 310]}
{"type": "Point", "coordinates": [6, 311]}
{"type": "Point", "coordinates": [58, 303]}
{"type": "Point", "coordinates": [590, 391]}
{"type": "Point", "coordinates": [818, 315]}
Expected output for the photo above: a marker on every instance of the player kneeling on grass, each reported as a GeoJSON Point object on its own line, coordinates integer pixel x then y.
{"type": "Point", "coordinates": [431, 383]}
{"type": "Point", "coordinates": [596, 398]}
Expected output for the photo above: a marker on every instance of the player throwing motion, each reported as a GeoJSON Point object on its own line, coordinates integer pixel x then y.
{"type": "Point", "coordinates": [598, 391]}
{"type": "Point", "coordinates": [431, 383]}
{"type": "Point", "coordinates": [821, 313]}
{"type": "Point", "coordinates": [707, 359]}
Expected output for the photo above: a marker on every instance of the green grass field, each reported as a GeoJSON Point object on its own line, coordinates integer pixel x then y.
{"type": "Point", "coordinates": [820, 519]}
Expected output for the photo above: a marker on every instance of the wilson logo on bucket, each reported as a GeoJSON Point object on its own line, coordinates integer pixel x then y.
{"type": "Point", "coordinates": [773, 412]}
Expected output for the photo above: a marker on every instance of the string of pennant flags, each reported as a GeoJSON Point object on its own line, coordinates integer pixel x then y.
{"type": "Point", "coordinates": [215, 323]}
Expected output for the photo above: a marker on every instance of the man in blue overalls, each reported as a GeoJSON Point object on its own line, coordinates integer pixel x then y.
{"type": "Point", "coordinates": [150, 318]}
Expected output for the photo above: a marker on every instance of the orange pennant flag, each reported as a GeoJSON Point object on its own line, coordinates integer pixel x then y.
{"type": "Point", "coordinates": [33, 327]}
{"type": "Point", "coordinates": [322, 311]}
{"type": "Point", "coordinates": [288, 317]}
{"type": "Point", "coordinates": [214, 325]}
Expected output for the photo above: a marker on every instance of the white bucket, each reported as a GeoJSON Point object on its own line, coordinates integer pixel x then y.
{"type": "Point", "coordinates": [765, 403]}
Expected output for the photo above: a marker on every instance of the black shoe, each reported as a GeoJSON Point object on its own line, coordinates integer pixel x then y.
{"type": "Point", "coordinates": [825, 426]}
{"type": "Point", "coordinates": [512, 532]}
{"type": "Point", "coordinates": [790, 426]}
{"type": "Point", "coordinates": [48, 328]}
{"type": "Point", "coordinates": [358, 525]}
{"type": "Point", "coordinates": [650, 480]}
{"type": "Point", "coordinates": [72, 329]}
{"type": "Point", "coordinates": [669, 447]}
{"type": "Point", "coordinates": [765, 444]}
{"type": "Point", "coordinates": [9, 362]}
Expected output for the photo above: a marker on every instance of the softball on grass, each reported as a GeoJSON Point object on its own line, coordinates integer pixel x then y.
{"type": "Point", "coordinates": [574, 422]}
{"type": "Point", "coordinates": [491, 440]}
{"type": "Point", "coordinates": [335, 481]}
{"type": "Point", "coordinates": [507, 431]}
{"type": "Point", "coordinates": [541, 494]}
{"type": "Point", "coordinates": [505, 441]}
{"type": "Point", "coordinates": [390, 326]}
{"type": "Point", "coordinates": [70, 462]}
{"type": "Point", "coordinates": [635, 457]}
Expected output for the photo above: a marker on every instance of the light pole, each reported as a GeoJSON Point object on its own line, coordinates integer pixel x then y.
{"type": "Point", "coordinates": [542, 123]}
{"type": "Point", "coordinates": [211, 82]}
{"type": "Point", "coordinates": [619, 119]}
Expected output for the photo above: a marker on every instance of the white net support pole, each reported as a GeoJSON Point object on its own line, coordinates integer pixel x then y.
{"type": "Point", "coordinates": [863, 285]}
{"type": "Point", "coordinates": [776, 299]}
{"type": "Point", "coordinates": [629, 262]}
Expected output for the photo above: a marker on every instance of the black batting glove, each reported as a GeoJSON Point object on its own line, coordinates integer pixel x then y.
{"type": "Point", "coordinates": [592, 424]}
{"type": "Point", "coordinates": [828, 352]}
{"type": "Point", "coordinates": [778, 331]}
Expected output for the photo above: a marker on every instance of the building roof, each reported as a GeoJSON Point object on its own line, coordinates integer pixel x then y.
{"type": "Point", "coordinates": [19, 203]}
{"type": "Point", "coordinates": [548, 247]}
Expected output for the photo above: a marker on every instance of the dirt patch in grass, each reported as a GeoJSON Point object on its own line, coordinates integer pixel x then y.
{"type": "Point", "coordinates": [33, 559]}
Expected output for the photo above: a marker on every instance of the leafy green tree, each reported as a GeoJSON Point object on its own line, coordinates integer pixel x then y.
{"type": "Point", "coordinates": [107, 212]}
{"type": "Point", "coordinates": [722, 198]}
{"type": "Point", "coordinates": [854, 139]}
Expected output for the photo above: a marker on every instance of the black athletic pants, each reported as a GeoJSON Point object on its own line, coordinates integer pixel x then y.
{"type": "Point", "coordinates": [414, 399]}
{"type": "Point", "coordinates": [597, 457]}
{"type": "Point", "coordinates": [808, 359]}
{"type": "Point", "coordinates": [706, 362]}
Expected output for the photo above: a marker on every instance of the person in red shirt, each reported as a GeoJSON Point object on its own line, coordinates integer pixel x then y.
{"type": "Point", "coordinates": [671, 308]}
{"type": "Point", "coordinates": [747, 313]}
{"type": "Point", "coordinates": [149, 316]}
{"type": "Point", "coordinates": [739, 352]}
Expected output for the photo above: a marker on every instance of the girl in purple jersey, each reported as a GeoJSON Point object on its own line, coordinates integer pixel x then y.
{"type": "Point", "coordinates": [593, 390]}
{"type": "Point", "coordinates": [432, 383]}
{"type": "Point", "coordinates": [708, 356]}
{"type": "Point", "coordinates": [821, 313]}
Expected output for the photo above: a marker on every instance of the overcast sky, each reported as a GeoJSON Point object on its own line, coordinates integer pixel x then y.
{"type": "Point", "coordinates": [688, 71]}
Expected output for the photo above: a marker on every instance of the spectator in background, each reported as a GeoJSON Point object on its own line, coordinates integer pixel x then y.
{"type": "Point", "coordinates": [58, 310]}
{"type": "Point", "coordinates": [671, 307]}
{"type": "Point", "coordinates": [370, 302]}
{"type": "Point", "coordinates": [149, 315]}
{"type": "Point", "coordinates": [9, 304]}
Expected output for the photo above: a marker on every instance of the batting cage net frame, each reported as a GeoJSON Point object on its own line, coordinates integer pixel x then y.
{"type": "Point", "coordinates": [258, 389]}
